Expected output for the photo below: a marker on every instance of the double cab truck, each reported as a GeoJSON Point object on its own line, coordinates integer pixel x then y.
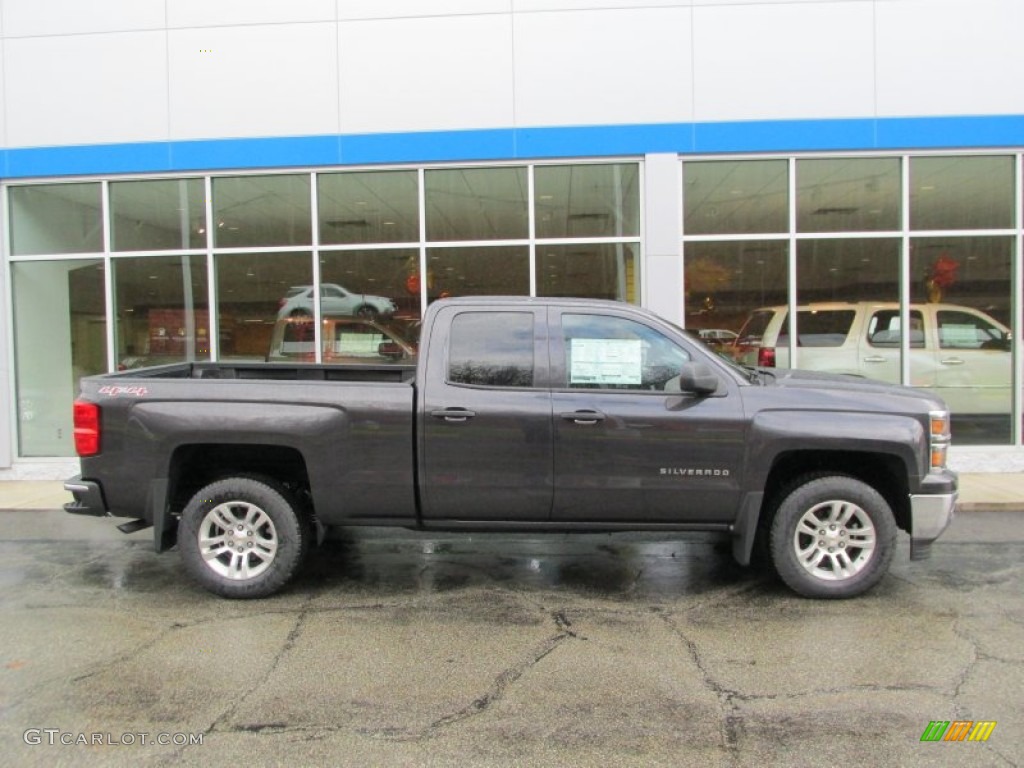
{"type": "Point", "coordinates": [531, 415]}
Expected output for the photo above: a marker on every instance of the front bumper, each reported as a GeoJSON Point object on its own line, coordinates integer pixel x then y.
{"type": "Point", "coordinates": [88, 498]}
{"type": "Point", "coordinates": [931, 514]}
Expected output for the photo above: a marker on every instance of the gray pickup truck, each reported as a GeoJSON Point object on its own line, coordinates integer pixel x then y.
{"type": "Point", "coordinates": [538, 415]}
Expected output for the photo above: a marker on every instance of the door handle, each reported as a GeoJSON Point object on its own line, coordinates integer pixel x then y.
{"type": "Point", "coordinates": [583, 417]}
{"type": "Point", "coordinates": [453, 415]}
{"type": "Point", "coordinates": [874, 359]}
{"type": "Point", "coordinates": [952, 361]}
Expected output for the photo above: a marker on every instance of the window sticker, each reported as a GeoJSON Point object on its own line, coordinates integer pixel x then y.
{"type": "Point", "coordinates": [357, 344]}
{"type": "Point", "coordinates": [606, 361]}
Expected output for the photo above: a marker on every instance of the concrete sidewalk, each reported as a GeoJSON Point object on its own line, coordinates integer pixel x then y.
{"type": "Point", "coordinates": [978, 491]}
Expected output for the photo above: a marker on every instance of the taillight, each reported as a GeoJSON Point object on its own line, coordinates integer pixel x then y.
{"type": "Point", "coordinates": [766, 357]}
{"type": "Point", "coordinates": [87, 428]}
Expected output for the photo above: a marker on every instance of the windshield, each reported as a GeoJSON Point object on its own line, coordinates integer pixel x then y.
{"type": "Point", "coordinates": [748, 373]}
{"type": "Point", "coordinates": [753, 330]}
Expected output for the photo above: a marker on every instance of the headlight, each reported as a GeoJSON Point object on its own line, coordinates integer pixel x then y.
{"type": "Point", "coordinates": [938, 438]}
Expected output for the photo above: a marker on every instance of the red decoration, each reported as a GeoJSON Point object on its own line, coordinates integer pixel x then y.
{"type": "Point", "coordinates": [943, 272]}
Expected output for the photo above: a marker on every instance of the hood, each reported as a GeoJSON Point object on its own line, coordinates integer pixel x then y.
{"type": "Point", "coordinates": [790, 378]}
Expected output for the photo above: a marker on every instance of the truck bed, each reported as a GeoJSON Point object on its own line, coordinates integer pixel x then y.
{"type": "Point", "coordinates": [392, 374]}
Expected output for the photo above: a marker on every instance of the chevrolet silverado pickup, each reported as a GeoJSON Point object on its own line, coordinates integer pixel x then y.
{"type": "Point", "coordinates": [537, 415]}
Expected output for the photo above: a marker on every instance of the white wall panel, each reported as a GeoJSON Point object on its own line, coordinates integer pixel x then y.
{"type": "Point", "coordinates": [950, 57]}
{"type": "Point", "coordinates": [273, 80]}
{"type": "Point", "coordinates": [3, 109]}
{"type": "Point", "coordinates": [85, 89]}
{"type": "Point", "coordinates": [204, 13]}
{"type": "Point", "coordinates": [772, 2]}
{"type": "Point", "coordinates": [398, 9]}
{"type": "Point", "coordinates": [588, 5]}
{"type": "Point", "coordinates": [783, 61]}
{"type": "Point", "coordinates": [426, 74]}
{"type": "Point", "coordinates": [25, 18]}
{"type": "Point", "coordinates": [603, 67]}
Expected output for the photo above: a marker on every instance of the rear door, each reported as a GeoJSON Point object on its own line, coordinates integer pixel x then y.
{"type": "Point", "coordinates": [486, 433]}
{"type": "Point", "coordinates": [974, 362]}
{"type": "Point", "coordinates": [880, 348]}
{"type": "Point", "coordinates": [629, 445]}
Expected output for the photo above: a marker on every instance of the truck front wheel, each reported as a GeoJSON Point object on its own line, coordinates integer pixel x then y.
{"type": "Point", "coordinates": [832, 536]}
{"type": "Point", "coordinates": [242, 537]}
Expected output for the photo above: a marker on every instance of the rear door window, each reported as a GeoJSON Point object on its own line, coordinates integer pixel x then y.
{"type": "Point", "coordinates": [492, 349]}
{"type": "Point", "coordinates": [884, 329]}
{"type": "Point", "coordinates": [820, 328]}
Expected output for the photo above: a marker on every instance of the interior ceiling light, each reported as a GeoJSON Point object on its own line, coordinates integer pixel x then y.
{"type": "Point", "coordinates": [838, 210]}
{"type": "Point", "coordinates": [343, 223]}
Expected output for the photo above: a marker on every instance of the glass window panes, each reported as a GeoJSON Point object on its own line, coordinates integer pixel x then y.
{"type": "Point", "coordinates": [961, 192]}
{"type": "Point", "coordinates": [962, 285]}
{"type": "Point", "coordinates": [492, 349]}
{"type": "Point", "coordinates": [261, 211]}
{"type": "Point", "coordinates": [848, 269]}
{"type": "Point", "coordinates": [56, 218]}
{"type": "Point", "coordinates": [588, 270]}
{"type": "Point", "coordinates": [492, 271]}
{"type": "Point", "coordinates": [368, 207]}
{"type": "Point", "coordinates": [254, 292]}
{"type": "Point", "coordinates": [848, 194]}
{"type": "Point", "coordinates": [157, 215]}
{"type": "Point", "coordinates": [161, 310]}
{"type": "Point", "coordinates": [476, 204]}
{"type": "Point", "coordinates": [587, 200]}
{"type": "Point", "coordinates": [386, 282]}
{"type": "Point", "coordinates": [725, 283]}
{"type": "Point", "coordinates": [60, 335]}
{"type": "Point", "coordinates": [735, 197]}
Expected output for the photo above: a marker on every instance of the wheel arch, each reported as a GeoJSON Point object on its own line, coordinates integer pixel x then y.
{"type": "Point", "coordinates": [885, 472]}
{"type": "Point", "coordinates": [196, 465]}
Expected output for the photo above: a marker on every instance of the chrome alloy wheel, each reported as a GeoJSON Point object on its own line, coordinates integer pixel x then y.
{"type": "Point", "coordinates": [237, 540]}
{"type": "Point", "coordinates": [834, 540]}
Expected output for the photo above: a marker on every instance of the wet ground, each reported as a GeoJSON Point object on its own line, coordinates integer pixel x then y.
{"type": "Point", "coordinates": [398, 648]}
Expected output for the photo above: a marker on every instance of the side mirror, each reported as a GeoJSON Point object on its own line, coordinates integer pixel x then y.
{"type": "Point", "coordinates": [697, 378]}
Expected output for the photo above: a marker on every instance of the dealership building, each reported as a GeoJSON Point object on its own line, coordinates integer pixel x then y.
{"type": "Point", "coordinates": [180, 178]}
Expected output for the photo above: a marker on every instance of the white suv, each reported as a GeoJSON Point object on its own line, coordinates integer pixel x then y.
{"type": "Point", "coordinates": [960, 353]}
{"type": "Point", "coordinates": [334, 300]}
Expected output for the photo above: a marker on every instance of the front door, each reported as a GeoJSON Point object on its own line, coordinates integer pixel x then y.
{"type": "Point", "coordinates": [485, 424]}
{"type": "Point", "coordinates": [629, 445]}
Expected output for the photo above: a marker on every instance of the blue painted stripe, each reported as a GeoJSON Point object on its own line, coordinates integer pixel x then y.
{"type": "Point", "coordinates": [853, 134]}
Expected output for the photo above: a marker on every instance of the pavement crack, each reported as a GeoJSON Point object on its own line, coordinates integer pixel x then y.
{"type": "Point", "coordinates": [286, 646]}
{"type": "Point", "coordinates": [509, 676]}
{"type": "Point", "coordinates": [969, 667]}
{"type": "Point", "coordinates": [732, 720]}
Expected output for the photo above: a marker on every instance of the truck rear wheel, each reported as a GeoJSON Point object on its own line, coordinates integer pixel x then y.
{"type": "Point", "coordinates": [833, 536]}
{"type": "Point", "coordinates": [242, 537]}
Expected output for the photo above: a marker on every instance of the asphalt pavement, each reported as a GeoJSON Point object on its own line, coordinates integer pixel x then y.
{"type": "Point", "coordinates": [413, 649]}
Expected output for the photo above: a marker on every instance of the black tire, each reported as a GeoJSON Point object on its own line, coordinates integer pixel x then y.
{"type": "Point", "coordinates": [367, 312]}
{"type": "Point", "coordinates": [833, 536]}
{"type": "Point", "coordinates": [243, 537]}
